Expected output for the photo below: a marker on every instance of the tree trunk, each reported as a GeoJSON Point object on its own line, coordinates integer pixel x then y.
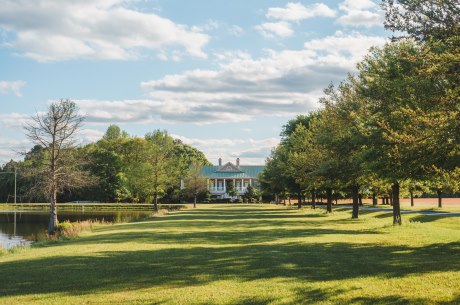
{"type": "Point", "coordinates": [354, 192]}
{"type": "Point", "coordinates": [52, 226]}
{"type": "Point", "coordinates": [411, 198]}
{"type": "Point", "coordinates": [439, 192]}
{"type": "Point", "coordinates": [329, 200]}
{"type": "Point", "coordinates": [299, 200]}
{"type": "Point", "coordinates": [194, 201]}
{"type": "Point", "coordinates": [386, 200]}
{"type": "Point", "coordinates": [360, 199]}
{"type": "Point", "coordinates": [374, 199]}
{"type": "Point", "coordinates": [391, 199]}
{"type": "Point", "coordinates": [155, 202]}
{"type": "Point", "coordinates": [396, 207]}
{"type": "Point", "coordinates": [383, 200]}
{"type": "Point", "coordinates": [313, 199]}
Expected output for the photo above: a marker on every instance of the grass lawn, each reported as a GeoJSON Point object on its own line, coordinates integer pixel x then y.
{"type": "Point", "coordinates": [244, 254]}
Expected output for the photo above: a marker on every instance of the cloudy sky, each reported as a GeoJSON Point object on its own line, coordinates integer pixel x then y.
{"type": "Point", "coordinates": [223, 76]}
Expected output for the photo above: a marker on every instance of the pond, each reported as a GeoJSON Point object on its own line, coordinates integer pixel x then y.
{"type": "Point", "coordinates": [22, 227]}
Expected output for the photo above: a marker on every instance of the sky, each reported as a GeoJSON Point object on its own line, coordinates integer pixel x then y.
{"type": "Point", "coordinates": [222, 76]}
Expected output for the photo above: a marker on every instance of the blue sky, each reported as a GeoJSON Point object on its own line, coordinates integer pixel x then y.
{"type": "Point", "coordinates": [223, 76]}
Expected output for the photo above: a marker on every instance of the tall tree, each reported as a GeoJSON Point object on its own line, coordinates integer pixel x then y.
{"type": "Point", "coordinates": [338, 134]}
{"type": "Point", "coordinates": [55, 131]}
{"type": "Point", "coordinates": [163, 165]}
{"type": "Point", "coordinates": [272, 179]}
{"type": "Point", "coordinates": [397, 99]}
{"type": "Point", "coordinates": [300, 165]}
{"type": "Point", "coordinates": [195, 182]}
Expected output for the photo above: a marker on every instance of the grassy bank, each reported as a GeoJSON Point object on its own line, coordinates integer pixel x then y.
{"type": "Point", "coordinates": [90, 206]}
{"type": "Point", "coordinates": [245, 254]}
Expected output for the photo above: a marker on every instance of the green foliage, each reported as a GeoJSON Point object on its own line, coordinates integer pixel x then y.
{"type": "Point", "coordinates": [251, 195]}
{"type": "Point", "coordinates": [69, 229]}
{"type": "Point", "coordinates": [423, 19]}
{"type": "Point", "coordinates": [300, 120]}
{"type": "Point", "coordinates": [195, 183]}
{"type": "Point", "coordinates": [231, 190]}
{"type": "Point", "coordinates": [123, 168]}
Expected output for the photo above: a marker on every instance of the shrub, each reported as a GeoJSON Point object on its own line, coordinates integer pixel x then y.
{"type": "Point", "coordinates": [73, 229]}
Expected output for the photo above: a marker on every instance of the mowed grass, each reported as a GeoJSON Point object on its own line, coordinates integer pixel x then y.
{"type": "Point", "coordinates": [244, 254]}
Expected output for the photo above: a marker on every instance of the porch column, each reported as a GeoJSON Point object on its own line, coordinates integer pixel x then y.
{"type": "Point", "coordinates": [225, 186]}
{"type": "Point", "coordinates": [242, 184]}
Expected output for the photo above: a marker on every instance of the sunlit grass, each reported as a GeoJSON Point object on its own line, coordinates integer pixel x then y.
{"type": "Point", "coordinates": [244, 254]}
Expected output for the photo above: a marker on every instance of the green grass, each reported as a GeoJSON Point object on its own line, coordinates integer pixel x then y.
{"type": "Point", "coordinates": [244, 254]}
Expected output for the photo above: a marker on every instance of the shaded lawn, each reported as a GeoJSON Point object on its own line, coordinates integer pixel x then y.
{"type": "Point", "coordinates": [246, 254]}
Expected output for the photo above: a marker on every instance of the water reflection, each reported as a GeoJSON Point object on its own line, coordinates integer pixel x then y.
{"type": "Point", "coordinates": [22, 227]}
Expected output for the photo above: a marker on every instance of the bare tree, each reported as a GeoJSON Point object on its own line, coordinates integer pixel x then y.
{"type": "Point", "coordinates": [195, 182]}
{"type": "Point", "coordinates": [60, 167]}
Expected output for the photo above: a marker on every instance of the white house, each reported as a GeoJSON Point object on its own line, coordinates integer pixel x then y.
{"type": "Point", "coordinates": [219, 177]}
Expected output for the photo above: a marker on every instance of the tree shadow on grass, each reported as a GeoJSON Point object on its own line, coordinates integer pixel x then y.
{"type": "Point", "coordinates": [209, 237]}
{"type": "Point", "coordinates": [212, 255]}
{"type": "Point", "coordinates": [205, 228]}
{"type": "Point", "coordinates": [181, 267]}
{"type": "Point", "coordinates": [398, 300]}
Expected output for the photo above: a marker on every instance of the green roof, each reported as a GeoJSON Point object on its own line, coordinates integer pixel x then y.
{"type": "Point", "coordinates": [248, 171]}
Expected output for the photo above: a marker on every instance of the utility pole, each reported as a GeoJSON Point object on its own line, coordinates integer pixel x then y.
{"type": "Point", "coordinates": [15, 178]}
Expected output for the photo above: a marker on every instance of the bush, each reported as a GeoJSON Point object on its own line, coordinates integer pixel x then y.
{"type": "Point", "coordinates": [73, 229]}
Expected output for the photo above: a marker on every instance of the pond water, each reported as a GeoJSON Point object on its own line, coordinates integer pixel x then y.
{"type": "Point", "coordinates": [22, 227]}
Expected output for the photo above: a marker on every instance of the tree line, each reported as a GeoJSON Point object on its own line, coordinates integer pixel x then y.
{"type": "Point", "coordinates": [392, 127]}
{"type": "Point", "coordinates": [117, 168]}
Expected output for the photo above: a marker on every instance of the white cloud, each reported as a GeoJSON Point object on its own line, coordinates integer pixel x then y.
{"type": "Point", "coordinates": [280, 83]}
{"type": "Point", "coordinates": [226, 56]}
{"type": "Point", "coordinates": [297, 11]}
{"type": "Point", "coordinates": [273, 29]}
{"type": "Point", "coordinates": [235, 30]}
{"type": "Point", "coordinates": [354, 45]}
{"type": "Point", "coordinates": [14, 120]}
{"type": "Point", "coordinates": [210, 142]}
{"type": "Point", "coordinates": [211, 25]}
{"type": "Point", "coordinates": [12, 148]}
{"type": "Point", "coordinates": [360, 13]}
{"type": "Point", "coordinates": [48, 30]}
{"type": "Point", "coordinates": [90, 135]}
{"type": "Point", "coordinates": [250, 151]}
{"type": "Point", "coordinates": [12, 87]}
{"type": "Point", "coordinates": [349, 5]}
